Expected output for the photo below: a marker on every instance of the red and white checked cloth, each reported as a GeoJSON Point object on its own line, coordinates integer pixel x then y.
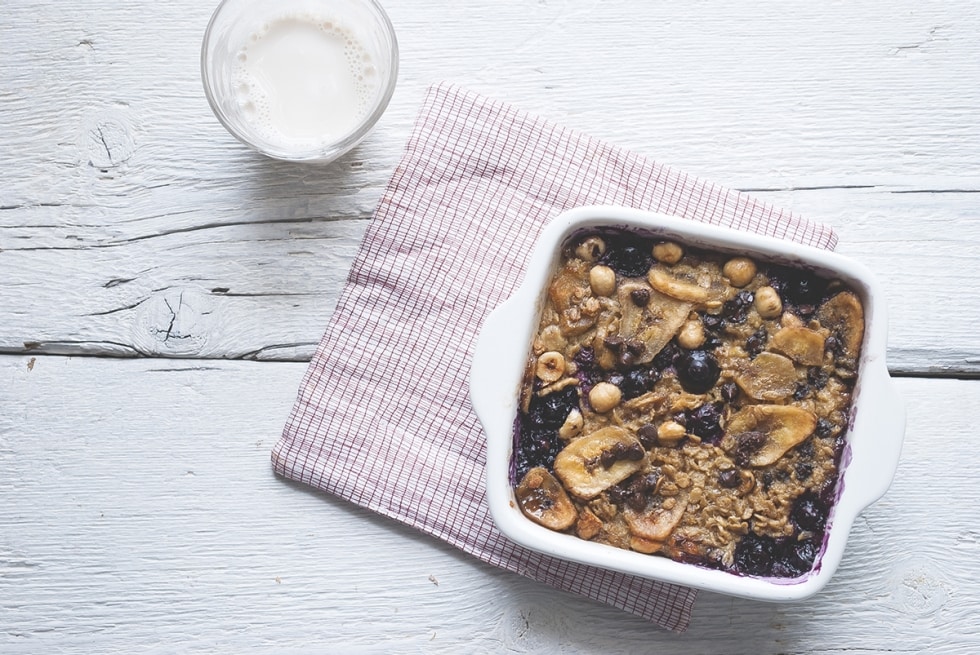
{"type": "Point", "coordinates": [383, 416]}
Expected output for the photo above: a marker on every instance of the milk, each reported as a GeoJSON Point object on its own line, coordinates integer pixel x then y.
{"type": "Point", "coordinates": [304, 81]}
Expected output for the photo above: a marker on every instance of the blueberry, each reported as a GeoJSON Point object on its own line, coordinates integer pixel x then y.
{"type": "Point", "coordinates": [803, 554]}
{"type": "Point", "coordinates": [794, 558]}
{"type": "Point", "coordinates": [803, 470]}
{"type": "Point", "coordinates": [729, 391]}
{"type": "Point", "coordinates": [828, 493]}
{"type": "Point", "coordinates": [711, 322]}
{"type": "Point", "coordinates": [754, 555]}
{"type": "Point", "coordinates": [824, 428]}
{"type": "Point", "coordinates": [638, 381]}
{"type": "Point", "coordinates": [809, 513]}
{"type": "Point", "coordinates": [799, 288]}
{"type": "Point", "coordinates": [552, 410]}
{"type": "Point", "coordinates": [757, 342]}
{"type": "Point", "coordinates": [705, 422]}
{"type": "Point", "coordinates": [589, 371]}
{"type": "Point", "coordinates": [627, 258]}
{"type": "Point", "coordinates": [746, 445]}
{"type": "Point", "coordinates": [697, 371]}
{"type": "Point", "coordinates": [817, 377]}
{"type": "Point", "coordinates": [585, 358]}
{"type": "Point", "coordinates": [735, 309]}
{"type": "Point", "coordinates": [535, 447]}
{"type": "Point", "coordinates": [537, 432]}
{"type": "Point", "coordinates": [667, 356]}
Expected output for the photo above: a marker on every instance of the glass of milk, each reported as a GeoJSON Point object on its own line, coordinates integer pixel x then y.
{"type": "Point", "coordinates": [301, 80]}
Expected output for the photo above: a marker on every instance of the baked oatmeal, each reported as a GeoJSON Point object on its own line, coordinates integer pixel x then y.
{"type": "Point", "coordinates": [687, 403]}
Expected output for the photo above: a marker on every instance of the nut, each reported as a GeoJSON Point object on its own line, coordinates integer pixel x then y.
{"type": "Point", "coordinates": [768, 303]}
{"type": "Point", "coordinates": [739, 271]}
{"type": "Point", "coordinates": [572, 426]}
{"type": "Point", "coordinates": [550, 366]}
{"type": "Point", "coordinates": [588, 525]}
{"type": "Point", "coordinates": [591, 249]}
{"type": "Point", "coordinates": [668, 252]}
{"type": "Point", "coordinates": [670, 432]}
{"type": "Point", "coordinates": [602, 279]}
{"type": "Point", "coordinates": [691, 335]}
{"type": "Point", "coordinates": [604, 396]}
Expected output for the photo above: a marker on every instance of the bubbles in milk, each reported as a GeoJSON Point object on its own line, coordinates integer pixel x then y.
{"type": "Point", "coordinates": [304, 81]}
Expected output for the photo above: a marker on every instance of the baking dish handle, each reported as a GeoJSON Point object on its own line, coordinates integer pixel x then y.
{"type": "Point", "coordinates": [878, 457]}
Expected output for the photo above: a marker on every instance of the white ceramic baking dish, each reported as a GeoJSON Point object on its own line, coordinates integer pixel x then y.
{"type": "Point", "coordinates": [873, 442]}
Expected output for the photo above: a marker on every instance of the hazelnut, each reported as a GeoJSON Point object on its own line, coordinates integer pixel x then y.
{"type": "Point", "coordinates": [691, 335]}
{"type": "Point", "coordinates": [604, 396]}
{"type": "Point", "coordinates": [602, 279]}
{"type": "Point", "coordinates": [670, 432]}
{"type": "Point", "coordinates": [550, 366]}
{"type": "Point", "coordinates": [668, 252]}
{"type": "Point", "coordinates": [591, 249]}
{"type": "Point", "coordinates": [572, 425]}
{"type": "Point", "coordinates": [739, 271]}
{"type": "Point", "coordinates": [768, 303]}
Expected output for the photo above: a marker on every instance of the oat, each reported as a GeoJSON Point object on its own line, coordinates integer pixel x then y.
{"type": "Point", "coordinates": [734, 381]}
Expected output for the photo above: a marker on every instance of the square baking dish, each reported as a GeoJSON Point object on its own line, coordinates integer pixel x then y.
{"type": "Point", "coordinates": [872, 442]}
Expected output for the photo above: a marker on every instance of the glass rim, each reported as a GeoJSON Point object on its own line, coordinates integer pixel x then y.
{"type": "Point", "coordinates": [325, 152]}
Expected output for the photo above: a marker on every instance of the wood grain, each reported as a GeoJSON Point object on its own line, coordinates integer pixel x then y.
{"type": "Point", "coordinates": [137, 227]}
{"type": "Point", "coordinates": [140, 513]}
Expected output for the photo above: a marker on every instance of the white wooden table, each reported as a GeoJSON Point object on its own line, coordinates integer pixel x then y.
{"type": "Point", "coordinates": [161, 288]}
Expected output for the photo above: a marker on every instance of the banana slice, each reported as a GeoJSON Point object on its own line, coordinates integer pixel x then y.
{"type": "Point", "coordinates": [800, 344]}
{"type": "Point", "coordinates": [844, 315]}
{"type": "Point", "coordinates": [544, 501]}
{"type": "Point", "coordinates": [591, 464]}
{"type": "Point", "coordinates": [688, 284]}
{"type": "Point", "coordinates": [569, 288]}
{"type": "Point", "coordinates": [768, 377]}
{"type": "Point", "coordinates": [676, 287]}
{"type": "Point", "coordinates": [656, 524]}
{"type": "Point", "coordinates": [760, 434]}
{"type": "Point", "coordinates": [654, 322]}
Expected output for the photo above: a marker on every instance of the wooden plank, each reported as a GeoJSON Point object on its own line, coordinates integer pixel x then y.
{"type": "Point", "coordinates": [139, 513]}
{"type": "Point", "coordinates": [126, 211]}
{"type": "Point", "coordinates": [265, 290]}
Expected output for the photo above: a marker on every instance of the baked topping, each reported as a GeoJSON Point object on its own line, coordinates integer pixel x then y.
{"type": "Point", "coordinates": [688, 404]}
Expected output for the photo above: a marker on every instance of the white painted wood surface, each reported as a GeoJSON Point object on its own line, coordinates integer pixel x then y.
{"type": "Point", "coordinates": [138, 512]}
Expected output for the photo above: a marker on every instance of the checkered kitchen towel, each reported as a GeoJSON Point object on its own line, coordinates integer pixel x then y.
{"type": "Point", "coordinates": [383, 416]}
